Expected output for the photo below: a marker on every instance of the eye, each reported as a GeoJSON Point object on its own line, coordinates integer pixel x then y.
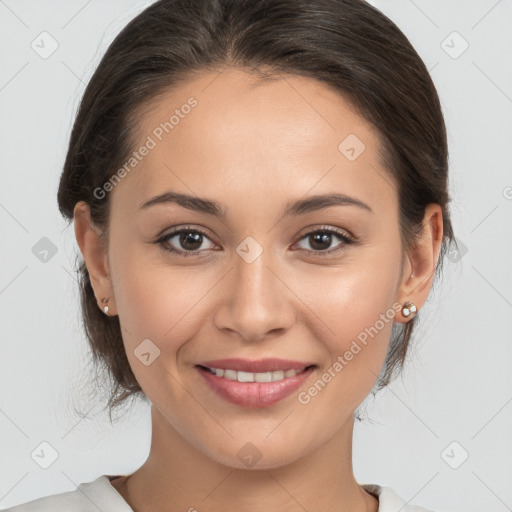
{"type": "Point", "coordinates": [190, 239]}
{"type": "Point", "coordinates": [321, 239]}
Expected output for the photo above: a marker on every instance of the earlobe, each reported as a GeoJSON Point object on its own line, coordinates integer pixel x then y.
{"type": "Point", "coordinates": [420, 263]}
{"type": "Point", "coordinates": [94, 253]}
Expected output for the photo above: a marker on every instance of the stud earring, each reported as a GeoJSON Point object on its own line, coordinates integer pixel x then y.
{"type": "Point", "coordinates": [105, 309]}
{"type": "Point", "coordinates": [409, 308]}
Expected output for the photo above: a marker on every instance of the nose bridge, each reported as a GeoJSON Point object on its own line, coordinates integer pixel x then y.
{"type": "Point", "coordinates": [252, 275]}
{"type": "Point", "coordinates": [255, 301]}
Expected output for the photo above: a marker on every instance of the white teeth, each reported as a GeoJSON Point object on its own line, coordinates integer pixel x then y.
{"type": "Point", "coordinates": [255, 377]}
{"type": "Point", "coordinates": [279, 375]}
{"type": "Point", "coordinates": [230, 374]}
{"type": "Point", "coordinates": [245, 376]}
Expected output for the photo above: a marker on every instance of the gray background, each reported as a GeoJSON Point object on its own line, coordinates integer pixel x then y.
{"type": "Point", "coordinates": [455, 399]}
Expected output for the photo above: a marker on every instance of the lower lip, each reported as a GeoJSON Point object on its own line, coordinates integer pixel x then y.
{"type": "Point", "coordinates": [254, 394]}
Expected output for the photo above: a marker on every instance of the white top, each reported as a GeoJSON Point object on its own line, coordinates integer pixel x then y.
{"type": "Point", "coordinates": [101, 495]}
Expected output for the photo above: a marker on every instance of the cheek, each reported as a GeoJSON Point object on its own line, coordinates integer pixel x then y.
{"type": "Point", "coordinates": [354, 308]}
{"type": "Point", "coordinates": [161, 305]}
{"type": "Point", "coordinates": [364, 303]}
{"type": "Point", "coordinates": [159, 302]}
{"type": "Point", "coordinates": [354, 329]}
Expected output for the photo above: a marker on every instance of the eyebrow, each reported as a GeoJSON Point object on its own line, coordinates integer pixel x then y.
{"type": "Point", "coordinates": [301, 207]}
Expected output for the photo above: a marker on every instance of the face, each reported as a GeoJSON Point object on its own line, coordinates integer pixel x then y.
{"type": "Point", "coordinates": [315, 285]}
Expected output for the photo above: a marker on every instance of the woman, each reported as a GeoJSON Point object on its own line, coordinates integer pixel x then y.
{"type": "Point", "coordinates": [259, 193]}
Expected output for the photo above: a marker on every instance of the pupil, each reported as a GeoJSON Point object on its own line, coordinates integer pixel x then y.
{"type": "Point", "coordinates": [185, 238]}
{"type": "Point", "coordinates": [319, 238]}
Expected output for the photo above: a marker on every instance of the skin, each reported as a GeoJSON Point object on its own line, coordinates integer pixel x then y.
{"type": "Point", "coordinates": [253, 146]}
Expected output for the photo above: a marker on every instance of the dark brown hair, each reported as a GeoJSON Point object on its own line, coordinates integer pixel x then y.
{"type": "Point", "coordinates": [347, 44]}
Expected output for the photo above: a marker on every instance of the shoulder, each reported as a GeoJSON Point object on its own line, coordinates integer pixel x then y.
{"type": "Point", "coordinates": [390, 501]}
{"type": "Point", "coordinates": [64, 501]}
{"type": "Point", "coordinates": [87, 497]}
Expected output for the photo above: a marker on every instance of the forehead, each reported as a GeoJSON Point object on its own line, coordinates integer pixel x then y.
{"type": "Point", "coordinates": [232, 133]}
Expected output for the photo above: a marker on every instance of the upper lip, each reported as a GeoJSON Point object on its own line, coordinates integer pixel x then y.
{"type": "Point", "coordinates": [259, 366]}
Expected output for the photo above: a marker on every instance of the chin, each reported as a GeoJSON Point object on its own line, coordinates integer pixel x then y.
{"type": "Point", "coordinates": [260, 455]}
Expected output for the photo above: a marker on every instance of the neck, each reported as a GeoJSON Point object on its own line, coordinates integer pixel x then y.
{"type": "Point", "coordinates": [177, 476]}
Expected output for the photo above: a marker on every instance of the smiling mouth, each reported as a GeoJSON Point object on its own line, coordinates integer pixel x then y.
{"type": "Point", "coordinates": [255, 389]}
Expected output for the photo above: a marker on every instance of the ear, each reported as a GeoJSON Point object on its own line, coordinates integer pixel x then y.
{"type": "Point", "coordinates": [95, 256]}
{"type": "Point", "coordinates": [419, 263]}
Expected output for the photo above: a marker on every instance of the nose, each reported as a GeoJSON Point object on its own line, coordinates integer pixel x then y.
{"type": "Point", "coordinates": [255, 300]}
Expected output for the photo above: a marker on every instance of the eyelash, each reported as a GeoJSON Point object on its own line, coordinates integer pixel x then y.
{"type": "Point", "coordinates": [317, 254]}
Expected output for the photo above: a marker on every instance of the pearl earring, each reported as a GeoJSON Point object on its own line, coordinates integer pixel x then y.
{"type": "Point", "coordinates": [409, 308]}
{"type": "Point", "coordinates": [105, 309]}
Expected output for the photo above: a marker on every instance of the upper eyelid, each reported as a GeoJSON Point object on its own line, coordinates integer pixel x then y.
{"type": "Point", "coordinates": [308, 230]}
{"type": "Point", "coordinates": [178, 230]}
{"type": "Point", "coordinates": [332, 229]}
